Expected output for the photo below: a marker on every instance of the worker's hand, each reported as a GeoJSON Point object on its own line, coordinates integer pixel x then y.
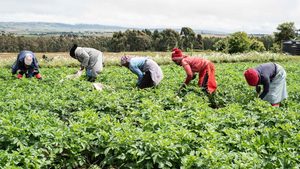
{"type": "Point", "coordinates": [183, 86]}
{"type": "Point", "coordinates": [194, 76]}
{"type": "Point", "coordinates": [79, 73]}
{"type": "Point", "coordinates": [19, 76]}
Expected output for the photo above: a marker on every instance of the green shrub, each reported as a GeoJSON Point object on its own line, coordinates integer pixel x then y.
{"type": "Point", "coordinates": [257, 46]}
{"type": "Point", "coordinates": [222, 45]}
{"type": "Point", "coordinates": [238, 42]}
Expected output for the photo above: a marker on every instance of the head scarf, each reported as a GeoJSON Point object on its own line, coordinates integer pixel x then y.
{"type": "Point", "coordinates": [176, 53]}
{"type": "Point", "coordinates": [28, 59]}
{"type": "Point", "coordinates": [124, 60]}
{"type": "Point", "coordinates": [72, 50]}
{"type": "Point", "coordinates": [251, 76]}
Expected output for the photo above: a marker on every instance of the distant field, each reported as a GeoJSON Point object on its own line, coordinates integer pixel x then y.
{"type": "Point", "coordinates": [63, 58]}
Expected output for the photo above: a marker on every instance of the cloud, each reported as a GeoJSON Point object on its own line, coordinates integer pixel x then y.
{"type": "Point", "coordinates": [252, 16]}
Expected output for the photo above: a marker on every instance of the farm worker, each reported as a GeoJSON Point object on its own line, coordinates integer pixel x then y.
{"type": "Point", "coordinates": [273, 79]}
{"type": "Point", "coordinates": [194, 65]}
{"type": "Point", "coordinates": [91, 59]}
{"type": "Point", "coordinates": [27, 64]}
{"type": "Point", "coordinates": [148, 72]}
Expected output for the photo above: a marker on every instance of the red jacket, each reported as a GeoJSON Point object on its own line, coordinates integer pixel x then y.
{"type": "Point", "coordinates": [202, 66]}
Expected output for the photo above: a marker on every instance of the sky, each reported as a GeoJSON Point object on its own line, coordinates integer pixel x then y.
{"type": "Point", "coordinates": [251, 16]}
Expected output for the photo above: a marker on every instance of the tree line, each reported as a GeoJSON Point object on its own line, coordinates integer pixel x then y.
{"type": "Point", "coordinates": [146, 40]}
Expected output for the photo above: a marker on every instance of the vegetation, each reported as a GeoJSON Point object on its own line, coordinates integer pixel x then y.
{"type": "Point", "coordinates": [61, 123]}
{"type": "Point", "coordinates": [130, 40]}
{"type": "Point", "coordinates": [67, 124]}
{"type": "Point", "coordinates": [113, 59]}
{"type": "Point", "coordinates": [256, 45]}
{"type": "Point", "coordinates": [286, 31]}
{"type": "Point", "coordinates": [146, 40]}
{"type": "Point", "coordinates": [11, 43]}
{"type": "Point", "coordinates": [239, 42]}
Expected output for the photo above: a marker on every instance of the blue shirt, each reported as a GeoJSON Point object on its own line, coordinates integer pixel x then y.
{"type": "Point", "coordinates": [20, 65]}
{"type": "Point", "coordinates": [136, 66]}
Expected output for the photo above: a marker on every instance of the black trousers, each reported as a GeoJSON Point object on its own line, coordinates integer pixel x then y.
{"type": "Point", "coordinates": [146, 81]}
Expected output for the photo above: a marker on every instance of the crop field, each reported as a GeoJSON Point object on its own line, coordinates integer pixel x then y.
{"type": "Point", "coordinates": [57, 123]}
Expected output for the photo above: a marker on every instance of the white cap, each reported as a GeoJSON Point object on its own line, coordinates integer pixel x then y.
{"type": "Point", "coordinates": [28, 59]}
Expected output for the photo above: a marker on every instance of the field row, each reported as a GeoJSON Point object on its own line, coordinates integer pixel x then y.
{"type": "Point", "coordinates": [68, 124]}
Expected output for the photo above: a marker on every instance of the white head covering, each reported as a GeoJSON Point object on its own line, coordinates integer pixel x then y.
{"type": "Point", "coordinates": [125, 59]}
{"type": "Point", "coordinates": [28, 59]}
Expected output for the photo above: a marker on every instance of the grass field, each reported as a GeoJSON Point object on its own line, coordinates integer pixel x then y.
{"type": "Point", "coordinates": [68, 124]}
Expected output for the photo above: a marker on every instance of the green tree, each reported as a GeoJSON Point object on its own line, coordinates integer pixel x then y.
{"type": "Point", "coordinates": [138, 40]}
{"type": "Point", "coordinates": [166, 40]}
{"type": "Point", "coordinates": [267, 40]}
{"type": "Point", "coordinates": [198, 44]}
{"type": "Point", "coordinates": [238, 42]}
{"type": "Point", "coordinates": [257, 46]}
{"type": "Point", "coordinates": [221, 45]}
{"type": "Point", "coordinates": [188, 38]}
{"type": "Point", "coordinates": [147, 31]}
{"type": "Point", "coordinates": [118, 42]}
{"type": "Point", "coordinates": [286, 31]}
{"type": "Point", "coordinates": [209, 42]}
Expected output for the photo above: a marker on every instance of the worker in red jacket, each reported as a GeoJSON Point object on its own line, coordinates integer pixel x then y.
{"type": "Point", "coordinates": [194, 65]}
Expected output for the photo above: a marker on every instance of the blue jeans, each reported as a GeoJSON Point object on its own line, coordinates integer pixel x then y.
{"type": "Point", "coordinates": [89, 72]}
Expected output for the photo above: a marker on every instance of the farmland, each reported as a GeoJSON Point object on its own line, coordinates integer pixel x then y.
{"type": "Point", "coordinates": [67, 124]}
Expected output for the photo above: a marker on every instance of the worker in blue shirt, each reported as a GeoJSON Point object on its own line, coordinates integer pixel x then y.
{"type": "Point", "coordinates": [148, 72]}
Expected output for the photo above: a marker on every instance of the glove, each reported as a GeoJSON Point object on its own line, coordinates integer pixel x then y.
{"type": "Point", "coordinates": [19, 76]}
{"type": "Point", "coordinates": [38, 76]}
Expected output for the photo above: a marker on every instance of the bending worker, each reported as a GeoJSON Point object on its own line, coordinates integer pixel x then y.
{"type": "Point", "coordinates": [273, 79]}
{"type": "Point", "coordinates": [27, 64]}
{"type": "Point", "coordinates": [148, 72]}
{"type": "Point", "coordinates": [91, 59]}
{"type": "Point", "coordinates": [194, 65]}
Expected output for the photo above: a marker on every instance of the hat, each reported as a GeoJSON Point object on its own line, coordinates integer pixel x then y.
{"type": "Point", "coordinates": [124, 60]}
{"type": "Point", "coordinates": [251, 76]}
{"type": "Point", "coordinates": [174, 49]}
{"type": "Point", "coordinates": [176, 53]}
{"type": "Point", "coordinates": [72, 50]}
{"type": "Point", "coordinates": [28, 59]}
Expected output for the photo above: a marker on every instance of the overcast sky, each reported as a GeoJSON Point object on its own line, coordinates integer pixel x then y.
{"type": "Point", "coordinates": [251, 16]}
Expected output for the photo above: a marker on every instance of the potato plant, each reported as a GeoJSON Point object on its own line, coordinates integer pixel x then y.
{"type": "Point", "coordinates": [68, 124]}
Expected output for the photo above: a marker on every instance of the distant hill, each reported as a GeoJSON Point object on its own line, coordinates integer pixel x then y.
{"type": "Point", "coordinates": [43, 27]}
{"type": "Point", "coordinates": [35, 28]}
